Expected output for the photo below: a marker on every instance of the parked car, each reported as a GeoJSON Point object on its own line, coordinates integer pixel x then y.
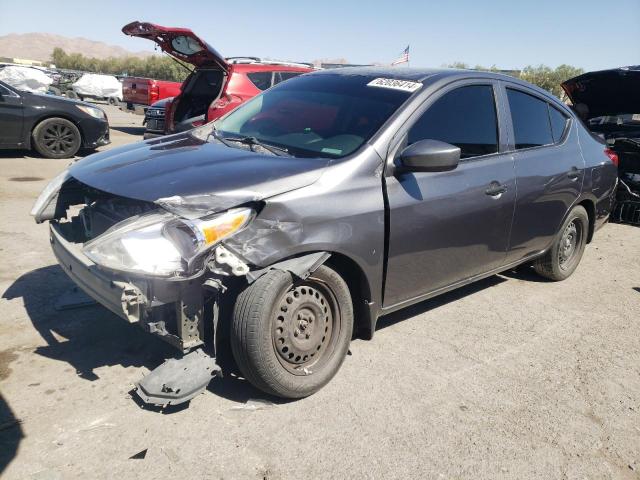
{"type": "Point", "coordinates": [139, 93]}
{"type": "Point", "coordinates": [55, 127]}
{"type": "Point", "coordinates": [154, 118]}
{"type": "Point", "coordinates": [301, 217]}
{"type": "Point", "coordinates": [97, 87]}
{"type": "Point", "coordinates": [609, 103]}
{"type": "Point", "coordinates": [217, 84]}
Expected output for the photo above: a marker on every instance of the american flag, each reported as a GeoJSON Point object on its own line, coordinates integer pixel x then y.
{"type": "Point", "coordinates": [403, 58]}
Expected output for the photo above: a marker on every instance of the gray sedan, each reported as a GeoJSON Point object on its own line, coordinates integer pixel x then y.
{"type": "Point", "coordinates": [300, 218]}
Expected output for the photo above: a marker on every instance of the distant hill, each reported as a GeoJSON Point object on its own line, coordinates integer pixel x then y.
{"type": "Point", "coordinates": [38, 46]}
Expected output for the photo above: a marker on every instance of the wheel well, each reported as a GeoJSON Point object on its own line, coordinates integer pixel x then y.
{"type": "Point", "coordinates": [40, 120]}
{"type": "Point", "coordinates": [591, 212]}
{"type": "Point", "coordinates": [360, 291]}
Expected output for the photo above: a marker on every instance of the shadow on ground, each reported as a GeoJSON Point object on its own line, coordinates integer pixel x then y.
{"type": "Point", "coordinates": [10, 435]}
{"type": "Point", "coordinates": [88, 338]}
{"type": "Point", "coordinates": [133, 130]}
{"type": "Point", "coordinates": [91, 337]}
{"type": "Point", "coordinates": [439, 301]}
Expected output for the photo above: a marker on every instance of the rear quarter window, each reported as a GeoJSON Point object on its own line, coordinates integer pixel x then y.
{"type": "Point", "coordinates": [262, 80]}
{"type": "Point", "coordinates": [530, 117]}
{"type": "Point", "coordinates": [558, 123]}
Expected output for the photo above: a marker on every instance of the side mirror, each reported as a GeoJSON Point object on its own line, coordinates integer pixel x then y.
{"type": "Point", "coordinates": [429, 156]}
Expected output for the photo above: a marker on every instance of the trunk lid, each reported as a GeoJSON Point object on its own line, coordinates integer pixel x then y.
{"type": "Point", "coordinates": [180, 43]}
{"type": "Point", "coordinates": [607, 92]}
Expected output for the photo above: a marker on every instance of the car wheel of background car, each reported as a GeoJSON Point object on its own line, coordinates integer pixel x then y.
{"type": "Point", "coordinates": [56, 138]}
{"type": "Point", "coordinates": [71, 94]}
{"type": "Point", "coordinates": [289, 338]}
{"type": "Point", "coordinates": [567, 249]}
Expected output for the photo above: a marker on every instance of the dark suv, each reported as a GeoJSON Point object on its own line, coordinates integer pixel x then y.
{"type": "Point", "coordinates": [298, 219]}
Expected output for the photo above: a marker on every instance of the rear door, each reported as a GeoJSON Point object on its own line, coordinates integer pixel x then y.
{"type": "Point", "coordinates": [449, 226]}
{"type": "Point", "coordinates": [11, 117]}
{"type": "Point", "coordinates": [549, 168]}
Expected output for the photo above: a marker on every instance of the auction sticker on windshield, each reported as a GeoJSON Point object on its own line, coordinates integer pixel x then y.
{"type": "Point", "coordinates": [404, 85]}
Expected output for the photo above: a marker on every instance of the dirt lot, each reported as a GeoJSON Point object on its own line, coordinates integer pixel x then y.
{"type": "Point", "coordinates": [513, 377]}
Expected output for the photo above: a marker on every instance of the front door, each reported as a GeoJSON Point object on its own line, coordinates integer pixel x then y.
{"type": "Point", "coordinates": [449, 226]}
{"type": "Point", "coordinates": [10, 117]}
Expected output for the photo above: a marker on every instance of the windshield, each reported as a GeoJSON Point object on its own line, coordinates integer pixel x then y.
{"type": "Point", "coordinates": [321, 115]}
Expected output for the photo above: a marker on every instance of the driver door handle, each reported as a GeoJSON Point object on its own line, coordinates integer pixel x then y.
{"type": "Point", "coordinates": [495, 189]}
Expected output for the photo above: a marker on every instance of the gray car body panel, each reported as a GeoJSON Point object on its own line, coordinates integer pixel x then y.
{"type": "Point", "coordinates": [409, 235]}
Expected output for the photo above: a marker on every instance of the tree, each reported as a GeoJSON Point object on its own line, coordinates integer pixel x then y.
{"type": "Point", "coordinates": [161, 68]}
{"type": "Point", "coordinates": [541, 75]}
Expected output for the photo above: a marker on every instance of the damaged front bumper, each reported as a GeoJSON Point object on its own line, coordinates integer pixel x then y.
{"type": "Point", "coordinates": [171, 309]}
{"type": "Point", "coordinates": [176, 310]}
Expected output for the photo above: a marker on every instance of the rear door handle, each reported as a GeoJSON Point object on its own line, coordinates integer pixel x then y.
{"type": "Point", "coordinates": [574, 173]}
{"type": "Point", "coordinates": [495, 189]}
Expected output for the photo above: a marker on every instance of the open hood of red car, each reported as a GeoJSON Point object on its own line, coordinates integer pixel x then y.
{"type": "Point", "coordinates": [180, 43]}
{"type": "Point", "coordinates": [607, 92]}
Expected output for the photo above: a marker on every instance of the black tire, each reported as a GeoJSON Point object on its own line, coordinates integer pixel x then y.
{"type": "Point", "coordinates": [274, 340]}
{"type": "Point", "coordinates": [565, 254]}
{"type": "Point", "coordinates": [56, 138]}
{"type": "Point", "coordinates": [71, 94]}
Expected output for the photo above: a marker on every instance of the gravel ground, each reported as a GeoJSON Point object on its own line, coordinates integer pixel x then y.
{"type": "Point", "coordinates": [512, 377]}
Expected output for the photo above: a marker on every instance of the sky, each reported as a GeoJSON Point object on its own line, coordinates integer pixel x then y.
{"type": "Point", "coordinates": [510, 34]}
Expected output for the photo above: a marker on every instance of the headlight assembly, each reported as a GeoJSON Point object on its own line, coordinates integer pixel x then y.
{"type": "Point", "coordinates": [44, 208]}
{"type": "Point", "coordinates": [94, 112]}
{"type": "Point", "coordinates": [162, 245]}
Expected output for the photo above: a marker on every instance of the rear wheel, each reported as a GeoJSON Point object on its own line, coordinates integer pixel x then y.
{"type": "Point", "coordinates": [290, 338]}
{"type": "Point", "coordinates": [56, 138]}
{"type": "Point", "coordinates": [566, 252]}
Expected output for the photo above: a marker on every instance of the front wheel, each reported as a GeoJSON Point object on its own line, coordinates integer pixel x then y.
{"type": "Point", "coordinates": [566, 252]}
{"type": "Point", "coordinates": [289, 338]}
{"type": "Point", "coordinates": [56, 138]}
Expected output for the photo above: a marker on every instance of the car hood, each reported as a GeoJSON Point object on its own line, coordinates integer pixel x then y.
{"type": "Point", "coordinates": [181, 43]}
{"type": "Point", "coordinates": [607, 92]}
{"type": "Point", "coordinates": [184, 172]}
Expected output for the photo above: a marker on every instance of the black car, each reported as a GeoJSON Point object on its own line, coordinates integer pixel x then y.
{"type": "Point", "coordinates": [154, 118]}
{"type": "Point", "coordinates": [609, 103]}
{"type": "Point", "coordinates": [297, 220]}
{"type": "Point", "coordinates": [55, 127]}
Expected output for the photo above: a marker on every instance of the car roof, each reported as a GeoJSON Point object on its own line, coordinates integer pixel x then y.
{"type": "Point", "coordinates": [430, 75]}
{"type": "Point", "coordinates": [268, 67]}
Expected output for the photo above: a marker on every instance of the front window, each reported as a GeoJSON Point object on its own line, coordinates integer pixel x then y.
{"type": "Point", "coordinates": [321, 115]}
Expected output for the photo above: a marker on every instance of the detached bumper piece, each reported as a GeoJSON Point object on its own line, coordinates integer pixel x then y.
{"type": "Point", "coordinates": [178, 380]}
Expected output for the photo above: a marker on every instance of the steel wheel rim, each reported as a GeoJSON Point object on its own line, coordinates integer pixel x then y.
{"type": "Point", "coordinates": [58, 138]}
{"type": "Point", "coordinates": [305, 328]}
{"type": "Point", "coordinates": [569, 242]}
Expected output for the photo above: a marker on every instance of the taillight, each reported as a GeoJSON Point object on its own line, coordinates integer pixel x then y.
{"type": "Point", "coordinates": [224, 102]}
{"type": "Point", "coordinates": [613, 156]}
{"type": "Point", "coordinates": [169, 108]}
{"type": "Point", "coordinates": [155, 94]}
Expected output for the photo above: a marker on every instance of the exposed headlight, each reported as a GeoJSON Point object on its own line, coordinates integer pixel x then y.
{"type": "Point", "coordinates": [161, 244]}
{"type": "Point", "coordinates": [94, 112]}
{"type": "Point", "coordinates": [48, 194]}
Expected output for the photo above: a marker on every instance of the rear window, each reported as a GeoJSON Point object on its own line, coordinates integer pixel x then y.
{"type": "Point", "coordinates": [317, 115]}
{"type": "Point", "coordinates": [530, 117]}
